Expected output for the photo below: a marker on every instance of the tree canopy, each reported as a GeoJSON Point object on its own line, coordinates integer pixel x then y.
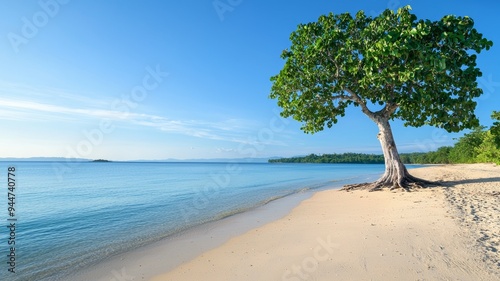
{"type": "Point", "coordinates": [421, 71]}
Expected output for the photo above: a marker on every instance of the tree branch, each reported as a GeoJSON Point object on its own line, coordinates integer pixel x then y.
{"type": "Point", "coordinates": [343, 97]}
{"type": "Point", "coordinates": [362, 103]}
{"type": "Point", "coordinates": [388, 109]}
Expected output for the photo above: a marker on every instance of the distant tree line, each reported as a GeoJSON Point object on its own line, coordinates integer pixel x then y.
{"type": "Point", "coordinates": [358, 158]}
{"type": "Point", "coordinates": [479, 146]}
{"type": "Point", "coordinates": [350, 158]}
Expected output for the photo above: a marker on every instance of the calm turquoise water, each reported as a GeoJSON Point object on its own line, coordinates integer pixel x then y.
{"type": "Point", "coordinates": [73, 215]}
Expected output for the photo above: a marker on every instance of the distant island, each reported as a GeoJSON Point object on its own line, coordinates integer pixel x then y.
{"type": "Point", "coordinates": [100, 160]}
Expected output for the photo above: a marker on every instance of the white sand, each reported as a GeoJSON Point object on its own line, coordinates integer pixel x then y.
{"type": "Point", "coordinates": [432, 234]}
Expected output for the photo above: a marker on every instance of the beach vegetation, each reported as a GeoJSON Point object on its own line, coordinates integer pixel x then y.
{"type": "Point", "coordinates": [391, 66]}
{"type": "Point", "coordinates": [488, 151]}
{"type": "Point", "coordinates": [495, 128]}
{"type": "Point", "coordinates": [465, 149]}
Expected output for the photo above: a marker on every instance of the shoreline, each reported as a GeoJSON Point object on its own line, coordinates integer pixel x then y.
{"type": "Point", "coordinates": [153, 259]}
{"type": "Point", "coordinates": [369, 236]}
{"type": "Point", "coordinates": [163, 255]}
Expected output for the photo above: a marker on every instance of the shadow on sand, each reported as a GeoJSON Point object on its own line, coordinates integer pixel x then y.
{"type": "Point", "coordinates": [469, 181]}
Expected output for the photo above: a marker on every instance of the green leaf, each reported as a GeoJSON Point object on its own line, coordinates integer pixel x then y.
{"type": "Point", "coordinates": [428, 68]}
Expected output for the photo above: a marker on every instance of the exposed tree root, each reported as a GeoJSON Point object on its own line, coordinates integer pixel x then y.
{"type": "Point", "coordinates": [407, 183]}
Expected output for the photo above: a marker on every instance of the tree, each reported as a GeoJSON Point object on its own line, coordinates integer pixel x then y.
{"type": "Point", "coordinates": [464, 151]}
{"type": "Point", "coordinates": [390, 66]}
{"type": "Point", "coordinates": [441, 155]}
{"type": "Point", "coordinates": [489, 148]}
{"type": "Point", "coordinates": [495, 128]}
{"type": "Point", "coordinates": [488, 151]}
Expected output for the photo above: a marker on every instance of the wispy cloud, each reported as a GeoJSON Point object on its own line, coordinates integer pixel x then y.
{"type": "Point", "coordinates": [32, 104]}
{"type": "Point", "coordinates": [228, 130]}
{"type": "Point", "coordinates": [29, 106]}
{"type": "Point", "coordinates": [24, 92]}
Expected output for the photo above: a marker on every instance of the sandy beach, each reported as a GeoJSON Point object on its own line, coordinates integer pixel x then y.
{"type": "Point", "coordinates": [443, 233]}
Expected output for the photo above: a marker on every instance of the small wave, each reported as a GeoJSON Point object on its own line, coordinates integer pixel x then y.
{"type": "Point", "coordinates": [230, 213]}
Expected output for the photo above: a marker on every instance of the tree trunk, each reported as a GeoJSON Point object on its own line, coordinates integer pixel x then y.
{"type": "Point", "coordinates": [395, 171]}
{"type": "Point", "coordinates": [395, 175]}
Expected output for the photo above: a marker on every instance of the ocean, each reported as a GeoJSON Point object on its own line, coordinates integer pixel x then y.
{"type": "Point", "coordinates": [70, 216]}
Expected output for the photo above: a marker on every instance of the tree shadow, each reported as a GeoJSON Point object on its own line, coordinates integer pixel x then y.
{"type": "Point", "coordinates": [469, 181]}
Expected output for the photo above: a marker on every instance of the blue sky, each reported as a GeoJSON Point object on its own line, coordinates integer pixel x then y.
{"type": "Point", "coordinates": [126, 80]}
